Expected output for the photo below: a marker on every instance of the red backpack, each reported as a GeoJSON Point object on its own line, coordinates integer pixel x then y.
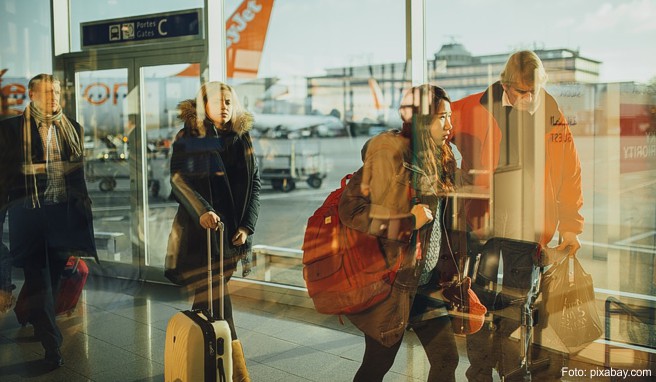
{"type": "Point", "coordinates": [345, 270]}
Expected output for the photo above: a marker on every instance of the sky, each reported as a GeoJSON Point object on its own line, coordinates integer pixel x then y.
{"type": "Point", "coordinates": [307, 36]}
{"type": "Point", "coordinates": [619, 33]}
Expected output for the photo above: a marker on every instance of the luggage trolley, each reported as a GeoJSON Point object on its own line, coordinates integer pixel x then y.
{"type": "Point", "coordinates": [284, 168]}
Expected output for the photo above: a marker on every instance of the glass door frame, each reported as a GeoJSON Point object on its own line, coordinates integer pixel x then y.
{"type": "Point", "coordinates": [151, 273]}
{"type": "Point", "coordinates": [132, 59]}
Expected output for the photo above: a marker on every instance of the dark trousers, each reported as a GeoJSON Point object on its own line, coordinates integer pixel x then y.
{"type": "Point", "coordinates": [40, 288]}
{"type": "Point", "coordinates": [39, 238]}
{"type": "Point", "coordinates": [491, 347]}
{"type": "Point", "coordinates": [436, 337]}
{"type": "Point", "coordinates": [200, 302]}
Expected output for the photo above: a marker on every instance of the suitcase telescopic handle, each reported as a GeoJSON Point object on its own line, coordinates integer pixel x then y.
{"type": "Point", "coordinates": [210, 299]}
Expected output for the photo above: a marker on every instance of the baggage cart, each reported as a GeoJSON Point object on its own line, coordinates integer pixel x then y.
{"type": "Point", "coordinates": [285, 167]}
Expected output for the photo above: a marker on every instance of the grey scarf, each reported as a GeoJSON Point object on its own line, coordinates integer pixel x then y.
{"type": "Point", "coordinates": [63, 124]}
{"type": "Point", "coordinates": [69, 137]}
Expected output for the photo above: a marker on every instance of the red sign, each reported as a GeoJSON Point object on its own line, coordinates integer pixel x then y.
{"type": "Point", "coordinates": [637, 138]}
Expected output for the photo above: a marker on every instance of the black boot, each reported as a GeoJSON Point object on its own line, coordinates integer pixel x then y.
{"type": "Point", "coordinates": [54, 359]}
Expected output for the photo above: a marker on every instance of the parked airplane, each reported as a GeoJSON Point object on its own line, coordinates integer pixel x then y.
{"type": "Point", "coordinates": [274, 125]}
{"type": "Point", "coordinates": [384, 112]}
{"type": "Point", "coordinates": [297, 126]}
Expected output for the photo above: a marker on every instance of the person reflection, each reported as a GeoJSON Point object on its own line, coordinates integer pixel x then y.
{"type": "Point", "coordinates": [491, 129]}
{"type": "Point", "coordinates": [399, 195]}
{"type": "Point", "coordinates": [49, 207]}
{"type": "Point", "coordinates": [215, 177]}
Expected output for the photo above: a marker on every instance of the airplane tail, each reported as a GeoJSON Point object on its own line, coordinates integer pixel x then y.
{"type": "Point", "coordinates": [377, 94]}
{"type": "Point", "coordinates": [245, 32]}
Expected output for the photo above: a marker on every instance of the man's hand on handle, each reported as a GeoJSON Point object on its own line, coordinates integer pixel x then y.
{"type": "Point", "coordinates": [571, 240]}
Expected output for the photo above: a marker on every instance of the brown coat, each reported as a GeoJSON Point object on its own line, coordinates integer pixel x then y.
{"type": "Point", "coordinates": [386, 214]}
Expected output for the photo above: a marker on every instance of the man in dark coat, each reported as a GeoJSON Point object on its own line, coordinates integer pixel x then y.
{"type": "Point", "coordinates": [44, 191]}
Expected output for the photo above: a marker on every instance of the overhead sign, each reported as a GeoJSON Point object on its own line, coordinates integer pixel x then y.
{"type": "Point", "coordinates": [169, 26]}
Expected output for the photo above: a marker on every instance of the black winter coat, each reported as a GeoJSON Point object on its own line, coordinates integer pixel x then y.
{"type": "Point", "coordinates": [200, 183]}
{"type": "Point", "coordinates": [14, 194]}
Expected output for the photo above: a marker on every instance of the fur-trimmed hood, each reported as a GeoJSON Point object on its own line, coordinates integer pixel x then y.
{"type": "Point", "coordinates": [187, 114]}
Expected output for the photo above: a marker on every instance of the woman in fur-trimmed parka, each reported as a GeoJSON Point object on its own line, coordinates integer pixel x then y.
{"type": "Point", "coordinates": [214, 177]}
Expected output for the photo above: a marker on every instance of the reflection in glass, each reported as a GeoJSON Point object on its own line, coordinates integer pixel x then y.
{"type": "Point", "coordinates": [102, 111]}
{"type": "Point", "coordinates": [163, 87]}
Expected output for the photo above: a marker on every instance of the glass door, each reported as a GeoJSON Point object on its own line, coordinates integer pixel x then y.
{"type": "Point", "coordinates": [128, 109]}
{"type": "Point", "coordinates": [162, 88]}
{"type": "Point", "coordinates": [98, 94]}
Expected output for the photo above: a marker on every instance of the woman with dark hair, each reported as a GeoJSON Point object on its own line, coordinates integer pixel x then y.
{"type": "Point", "coordinates": [399, 196]}
{"type": "Point", "coordinates": [214, 177]}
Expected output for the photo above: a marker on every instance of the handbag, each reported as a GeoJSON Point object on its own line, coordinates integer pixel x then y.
{"type": "Point", "coordinates": [466, 311]}
{"type": "Point", "coordinates": [569, 305]}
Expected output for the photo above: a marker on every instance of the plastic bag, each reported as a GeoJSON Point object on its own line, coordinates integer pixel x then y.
{"type": "Point", "coordinates": [569, 305]}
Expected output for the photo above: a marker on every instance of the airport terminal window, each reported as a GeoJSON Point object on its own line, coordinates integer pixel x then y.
{"type": "Point", "coordinates": [321, 78]}
{"type": "Point", "coordinates": [311, 94]}
{"type": "Point", "coordinates": [14, 39]}
{"type": "Point", "coordinates": [316, 91]}
{"type": "Point", "coordinates": [608, 101]}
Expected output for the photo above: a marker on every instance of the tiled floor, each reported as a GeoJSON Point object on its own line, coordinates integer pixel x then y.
{"type": "Point", "coordinates": [118, 330]}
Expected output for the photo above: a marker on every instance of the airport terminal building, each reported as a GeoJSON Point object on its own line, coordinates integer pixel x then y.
{"type": "Point", "coordinates": [452, 67]}
{"type": "Point", "coordinates": [321, 79]}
